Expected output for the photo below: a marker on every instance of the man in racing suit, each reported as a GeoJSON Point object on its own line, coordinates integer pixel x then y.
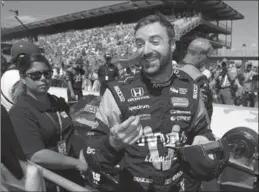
{"type": "Point", "coordinates": [140, 115]}
{"type": "Point", "coordinates": [195, 59]}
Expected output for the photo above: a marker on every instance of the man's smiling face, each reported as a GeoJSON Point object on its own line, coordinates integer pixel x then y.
{"type": "Point", "coordinates": [154, 46]}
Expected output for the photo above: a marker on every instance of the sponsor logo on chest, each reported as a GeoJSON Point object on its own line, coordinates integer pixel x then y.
{"type": "Point", "coordinates": [119, 93]}
{"type": "Point", "coordinates": [181, 91]}
{"type": "Point", "coordinates": [139, 107]}
{"type": "Point", "coordinates": [180, 102]}
{"type": "Point", "coordinates": [137, 94]}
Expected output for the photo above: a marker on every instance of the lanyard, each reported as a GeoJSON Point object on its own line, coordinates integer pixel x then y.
{"type": "Point", "coordinates": [55, 123]}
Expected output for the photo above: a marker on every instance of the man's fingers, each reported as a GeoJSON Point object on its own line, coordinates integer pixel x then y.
{"type": "Point", "coordinates": [131, 136]}
{"type": "Point", "coordinates": [139, 135]}
{"type": "Point", "coordinates": [132, 127]}
{"type": "Point", "coordinates": [125, 124]}
{"type": "Point", "coordinates": [136, 121]}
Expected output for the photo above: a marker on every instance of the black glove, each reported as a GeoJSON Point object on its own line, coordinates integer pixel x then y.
{"type": "Point", "coordinates": [204, 162]}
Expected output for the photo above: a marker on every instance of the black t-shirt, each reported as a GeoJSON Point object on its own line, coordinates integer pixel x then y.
{"type": "Point", "coordinates": [11, 151]}
{"type": "Point", "coordinates": [35, 129]}
{"type": "Point", "coordinates": [76, 77]}
{"type": "Point", "coordinates": [107, 73]}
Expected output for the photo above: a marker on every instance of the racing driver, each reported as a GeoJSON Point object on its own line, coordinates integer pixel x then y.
{"type": "Point", "coordinates": [140, 115]}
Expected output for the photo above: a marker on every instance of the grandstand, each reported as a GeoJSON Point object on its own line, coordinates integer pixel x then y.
{"type": "Point", "coordinates": [206, 18]}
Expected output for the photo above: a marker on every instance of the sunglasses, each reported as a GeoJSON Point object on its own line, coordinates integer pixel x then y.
{"type": "Point", "coordinates": [35, 76]}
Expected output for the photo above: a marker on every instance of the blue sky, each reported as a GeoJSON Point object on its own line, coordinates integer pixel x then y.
{"type": "Point", "coordinates": [244, 31]}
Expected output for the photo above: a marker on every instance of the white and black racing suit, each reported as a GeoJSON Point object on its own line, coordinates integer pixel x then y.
{"type": "Point", "coordinates": [170, 112]}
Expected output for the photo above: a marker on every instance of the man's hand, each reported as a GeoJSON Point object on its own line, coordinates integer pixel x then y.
{"type": "Point", "coordinates": [126, 133]}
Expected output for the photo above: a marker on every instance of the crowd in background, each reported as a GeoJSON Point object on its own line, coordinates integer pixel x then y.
{"type": "Point", "coordinates": [233, 83]}
{"type": "Point", "coordinates": [87, 47]}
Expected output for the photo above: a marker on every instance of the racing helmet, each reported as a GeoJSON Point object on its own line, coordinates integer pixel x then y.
{"type": "Point", "coordinates": [204, 162]}
{"type": "Point", "coordinates": [23, 47]}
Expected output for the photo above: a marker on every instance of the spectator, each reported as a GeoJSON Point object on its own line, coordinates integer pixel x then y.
{"type": "Point", "coordinates": [107, 73]}
{"type": "Point", "coordinates": [224, 85]}
{"type": "Point", "coordinates": [55, 77]}
{"type": "Point", "coordinates": [248, 85]}
{"type": "Point", "coordinates": [96, 83]}
{"type": "Point", "coordinates": [10, 78]}
{"type": "Point", "coordinates": [42, 123]}
{"type": "Point", "coordinates": [74, 81]}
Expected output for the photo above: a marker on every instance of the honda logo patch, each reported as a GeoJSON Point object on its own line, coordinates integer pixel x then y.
{"type": "Point", "coordinates": [137, 92]}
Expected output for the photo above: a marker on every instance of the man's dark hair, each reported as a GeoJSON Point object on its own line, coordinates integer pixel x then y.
{"type": "Point", "coordinates": [160, 18]}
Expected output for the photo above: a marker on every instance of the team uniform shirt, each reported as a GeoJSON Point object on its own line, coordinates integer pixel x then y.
{"type": "Point", "coordinates": [170, 112]}
{"type": "Point", "coordinates": [107, 73]}
{"type": "Point", "coordinates": [203, 83]}
{"type": "Point", "coordinates": [76, 78]}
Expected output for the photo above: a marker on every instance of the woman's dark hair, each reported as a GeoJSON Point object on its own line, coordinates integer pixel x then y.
{"type": "Point", "coordinates": [27, 60]}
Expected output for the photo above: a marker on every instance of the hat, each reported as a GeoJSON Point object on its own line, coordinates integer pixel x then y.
{"type": "Point", "coordinates": [204, 162]}
{"type": "Point", "coordinates": [24, 47]}
{"type": "Point", "coordinates": [249, 63]}
{"type": "Point", "coordinates": [107, 54]}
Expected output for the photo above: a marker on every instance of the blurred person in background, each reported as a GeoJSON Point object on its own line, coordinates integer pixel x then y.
{"type": "Point", "coordinates": [250, 77]}
{"type": "Point", "coordinates": [74, 78]}
{"type": "Point", "coordinates": [87, 83]}
{"type": "Point", "coordinates": [55, 77]}
{"type": "Point", "coordinates": [42, 123]}
{"type": "Point", "coordinates": [96, 83]}
{"type": "Point", "coordinates": [224, 85]}
{"type": "Point", "coordinates": [107, 73]}
{"type": "Point", "coordinates": [194, 63]}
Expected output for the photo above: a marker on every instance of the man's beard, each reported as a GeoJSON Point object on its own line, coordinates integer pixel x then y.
{"type": "Point", "coordinates": [163, 62]}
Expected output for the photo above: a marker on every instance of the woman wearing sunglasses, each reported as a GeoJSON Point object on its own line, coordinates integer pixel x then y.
{"type": "Point", "coordinates": [42, 123]}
